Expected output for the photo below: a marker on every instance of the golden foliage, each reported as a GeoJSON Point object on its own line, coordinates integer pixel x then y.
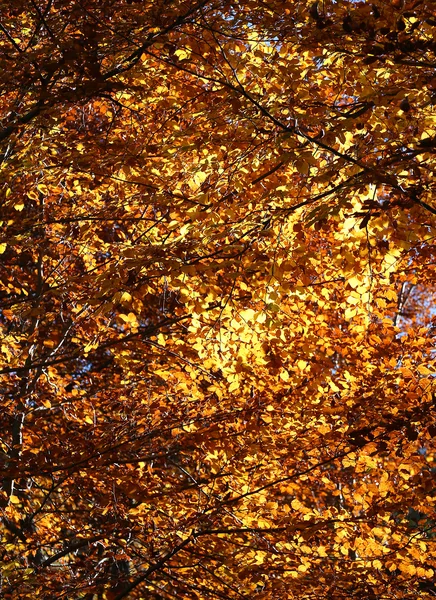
{"type": "Point", "coordinates": [216, 299]}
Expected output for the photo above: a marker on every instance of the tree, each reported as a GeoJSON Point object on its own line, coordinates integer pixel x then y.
{"type": "Point", "coordinates": [217, 299]}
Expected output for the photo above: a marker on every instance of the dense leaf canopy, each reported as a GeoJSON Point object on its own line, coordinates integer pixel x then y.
{"type": "Point", "coordinates": [217, 288]}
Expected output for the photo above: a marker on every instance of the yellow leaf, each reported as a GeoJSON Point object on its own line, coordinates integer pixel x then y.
{"type": "Point", "coordinates": [14, 499]}
{"type": "Point", "coordinates": [352, 299]}
{"type": "Point", "coordinates": [89, 420]}
{"type": "Point", "coordinates": [391, 295]}
{"type": "Point", "coordinates": [183, 534]}
{"type": "Point", "coordinates": [19, 206]}
{"type": "Point", "coordinates": [125, 298]}
{"type": "Point", "coordinates": [260, 557]}
{"type": "Point", "coordinates": [200, 177]}
{"type": "Point", "coordinates": [89, 346]}
{"type": "Point", "coordinates": [234, 386]}
{"type": "Point", "coordinates": [130, 318]}
{"type": "Point", "coordinates": [350, 460]}
{"type": "Point", "coordinates": [323, 429]}
{"type": "Point", "coordinates": [423, 370]}
{"type": "Point", "coordinates": [334, 387]}
{"type": "Point", "coordinates": [302, 568]}
{"type": "Point", "coordinates": [185, 228]}
{"type": "Point", "coordinates": [181, 54]}
{"type": "Point", "coordinates": [3, 248]}
{"type": "Point", "coordinates": [350, 313]}
{"type": "Point", "coordinates": [284, 375]}
{"type": "Point", "coordinates": [407, 568]}
{"type": "Point", "coordinates": [354, 282]}
{"type": "Point", "coordinates": [248, 314]}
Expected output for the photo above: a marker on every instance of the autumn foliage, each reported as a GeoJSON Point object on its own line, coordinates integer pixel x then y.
{"type": "Point", "coordinates": [217, 258]}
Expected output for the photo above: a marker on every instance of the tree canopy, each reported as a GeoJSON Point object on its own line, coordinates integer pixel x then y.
{"type": "Point", "coordinates": [217, 299]}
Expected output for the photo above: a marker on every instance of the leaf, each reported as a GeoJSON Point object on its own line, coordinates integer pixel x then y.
{"type": "Point", "coordinates": [200, 177]}
{"type": "Point", "coordinates": [364, 222]}
{"type": "Point", "coordinates": [302, 166]}
{"type": "Point", "coordinates": [354, 282]}
{"type": "Point", "coordinates": [234, 386]}
{"type": "Point", "coordinates": [181, 54]}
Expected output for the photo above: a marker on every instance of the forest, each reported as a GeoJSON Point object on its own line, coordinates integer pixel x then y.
{"type": "Point", "coordinates": [217, 299]}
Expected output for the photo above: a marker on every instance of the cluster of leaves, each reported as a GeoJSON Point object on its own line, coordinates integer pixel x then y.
{"type": "Point", "coordinates": [216, 299]}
